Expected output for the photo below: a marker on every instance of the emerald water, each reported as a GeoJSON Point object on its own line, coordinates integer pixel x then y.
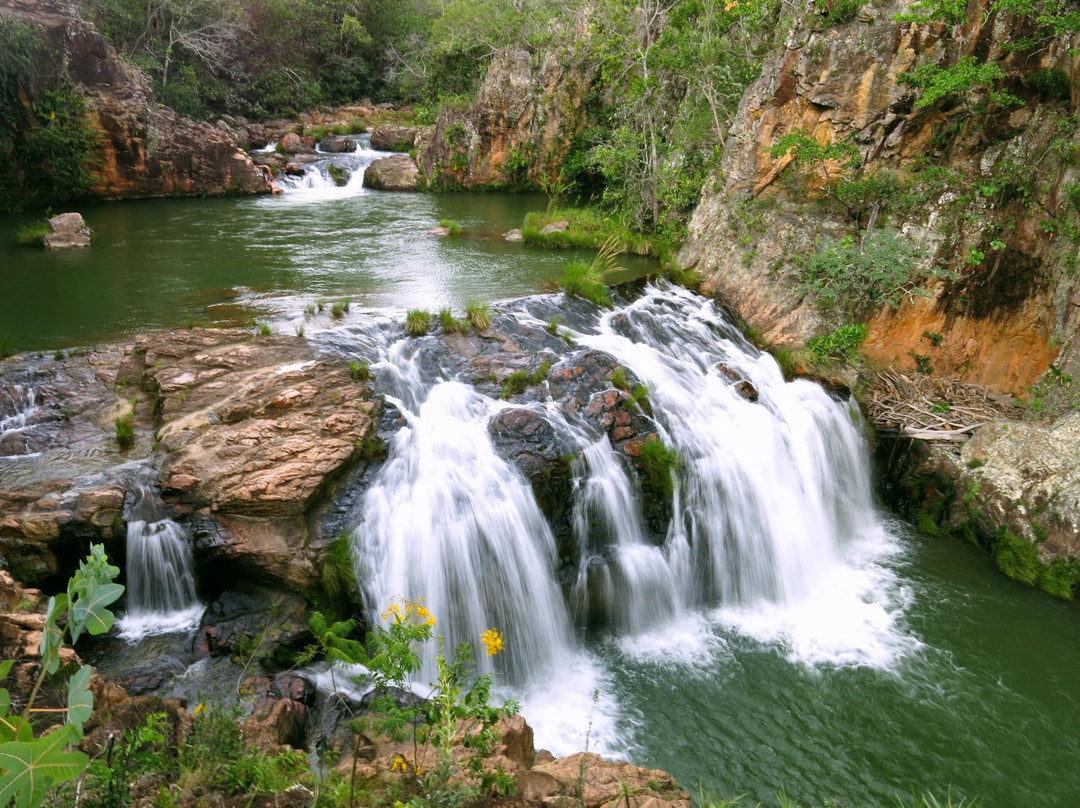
{"type": "Point", "coordinates": [913, 666]}
{"type": "Point", "coordinates": [973, 689]}
{"type": "Point", "coordinates": [166, 263]}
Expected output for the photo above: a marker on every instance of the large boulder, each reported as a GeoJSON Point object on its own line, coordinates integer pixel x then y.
{"type": "Point", "coordinates": [395, 173]}
{"type": "Point", "coordinates": [292, 143]}
{"type": "Point", "coordinates": [390, 137]}
{"type": "Point", "coordinates": [337, 145]}
{"type": "Point", "coordinates": [67, 230]}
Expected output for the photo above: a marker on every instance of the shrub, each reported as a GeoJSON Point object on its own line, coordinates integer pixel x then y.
{"type": "Point", "coordinates": [842, 275]}
{"type": "Point", "coordinates": [843, 343]}
{"type": "Point", "coordinates": [479, 314]}
{"type": "Point", "coordinates": [417, 322]}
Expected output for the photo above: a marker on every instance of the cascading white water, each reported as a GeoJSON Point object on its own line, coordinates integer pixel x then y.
{"type": "Point", "coordinates": [621, 577]}
{"type": "Point", "coordinates": [770, 491]}
{"type": "Point", "coordinates": [317, 183]}
{"type": "Point", "coordinates": [450, 522]}
{"type": "Point", "coordinates": [161, 593]}
{"type": "Point", "coordinates": [771, 495]}
{"type": "Point", "coordinates": [18, 405]}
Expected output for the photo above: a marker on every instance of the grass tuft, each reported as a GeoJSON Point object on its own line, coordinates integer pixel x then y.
{"type": "Point", "coordinates": [33, 234]}
{"type": "Point", "coordinates": [339, 309]}
{"type": "Point", "coordinates": [125, 431]}
{"type": "Point", "coordinates": [659, 462]}
{"type": "Point", "coordinates": [452, 227]}
{"type": "Point", "coordinates": [360, 371]}
{"type": "Point", "coordinates": [479, 314]}
{"type": "Point", "coordinates": [417, 322]}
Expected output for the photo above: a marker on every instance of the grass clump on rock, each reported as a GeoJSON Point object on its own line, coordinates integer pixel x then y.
{"type": "Point", "coordinates": [451, 324]}
{"type": "Point", "coordinates": [588, 280]}
{"type": "Point", "coordinates": [452, 227]}
{"type": "Point", "coordinates": [417, 322]}
{"type": "Point", "coordinates": [659, 462]}
{"type": "Point", "coordinates": [479, 314]}
{"type": "Point", "coordinates": [339, 309]}
{"type": "Point", "coordinates": [360, 371]}
{"type": "Point", "coordinates": [33, 234]}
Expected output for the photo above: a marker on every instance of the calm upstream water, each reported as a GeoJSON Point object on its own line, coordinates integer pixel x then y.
{"type": "Point", "coordinates": [851, 660]}
{"type": "Point", "coordinates": [166, 263]}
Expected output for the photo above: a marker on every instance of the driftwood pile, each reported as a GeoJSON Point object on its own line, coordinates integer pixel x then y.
{"type": "Point", "coordinates": [931, 408]}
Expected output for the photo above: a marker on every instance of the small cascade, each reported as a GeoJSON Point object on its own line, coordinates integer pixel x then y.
{"type": "Point", "coordinates": [622, 579]}
{"type": "Point", "coordinates": [161, 593]}
{"type": "Point", "coordinates": [18, 409]}
{"type": "Point", "coordinates": [317, 181]}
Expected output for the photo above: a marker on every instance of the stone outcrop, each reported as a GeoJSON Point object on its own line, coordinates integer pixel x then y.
{"type": "Point", "coordinates": [995, 321]}
{"type": "Point", "coordinates": [393, 137]}
{"type": "Point", "coordinates": [529, 109]}
{"type": "Point", "coordinates": [145, 150]}
{"type": "Point", "coordinates": [292, 143]}
{"type": "Point", "coordinates": [67, 230]}
{"type": "Point", "coordinates": [395, 173]}
{"type": "Point", "coordinates": [248, 436]}
{"type": "Point", "coordinates": [255, 431]}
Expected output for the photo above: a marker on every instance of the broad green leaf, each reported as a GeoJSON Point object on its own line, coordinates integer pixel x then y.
{"type": "Point", "coordinates": [80, 699]}
{"type": "Point", "coordinates": [30, 768]}
{"type": "Point", "coordinates": [5, 702]}
{"type": "Point", "coordinates": [15, 728]}
{"type": "Point", "coordinates": [53, 636]}
{"type": "Point", "coordinates": [5, 668]}
{"type": "Point", "coordinates": [89, 610]}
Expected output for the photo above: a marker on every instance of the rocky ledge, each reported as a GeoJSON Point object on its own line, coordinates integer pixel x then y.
{"type": "Point", "coordinates": [247, 436]}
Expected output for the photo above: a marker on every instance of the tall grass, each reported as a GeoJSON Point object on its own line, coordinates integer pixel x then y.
{"type": "Point", "coordinates": [587, 280]}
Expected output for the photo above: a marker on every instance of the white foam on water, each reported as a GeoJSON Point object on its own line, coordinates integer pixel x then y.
{"type": "Point", "coordinates": [573, 710]}
{"type": "Point", "coordinates": [134, 627]}
{"type": "Point", "coordinates": [851, 615]}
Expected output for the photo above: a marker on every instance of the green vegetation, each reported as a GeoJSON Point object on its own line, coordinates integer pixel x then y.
{"type": "Point", "coordinates": [660, 464]}
{"type": "Point", "coordinates": [450, 323]}
{"type": "Point", "coordinates": [517, 382]}
{"type": "Point", "coordinates": [360, 371]}
{"type": "Point", "coordinates": [843, 343]}
{"type": "Point", "coordinates": [1019, 559]}
{"type": "Point", "coordinates": [587, 280]}
{"type": "Point", "coordinates": [31, 765]}
{"type": "Point", "coordinates": [46, 143]}
{"type": "Point", "coordinates": [339, 309]}
{"type": "Point", "coordinates": [587, 228]}
{"type": "Point", "coordinates": [263, 330]}
{"type": "Point", "coordinates": [417, 322]}
{"type": "Point", "coordinates": [451, 226]}
{"type": "Point", "coordinates": [7, 347]}
{"type": "Point", "coordinates": [958, 82]}
{"type": "Point", "coordinates": [33, 234]}
{"type": "Point", "coordinates": [338, 571]}
{"type": "Point", "coordinates": [338, 174]}
{"type": "Point", "coordinates": [478, 314]}
{"type": "Point", "coordinates": [857, 278]}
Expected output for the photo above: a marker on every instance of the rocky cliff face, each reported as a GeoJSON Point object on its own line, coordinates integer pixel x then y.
{"type": "Point", "coordinates": [145, 149]}
{"type": "Point", "coordinates": [981, 189]}
{"type": "Point", "coordinates": [520, 127]}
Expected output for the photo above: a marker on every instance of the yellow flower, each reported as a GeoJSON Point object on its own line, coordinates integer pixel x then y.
{"type": "Point", "coordinates": [200, 710]}
{"type": "Point", "coordinates": [492, 640]}
{"type": "Point", "coordinates": [399, 764]}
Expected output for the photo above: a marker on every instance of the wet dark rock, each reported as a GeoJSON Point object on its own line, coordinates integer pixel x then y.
{"type": "Point", "coordinates": [254, 622]}
{"type": "Point", "coordinates": [742, 386]}
{"type": "Point", "coordinates": [337, 145]}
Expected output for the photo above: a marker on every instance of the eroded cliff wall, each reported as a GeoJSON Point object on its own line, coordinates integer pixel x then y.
{"type": "Point", "coordinates": [982, 189]}
{"type": "Point", "coordinates": [144, 149]}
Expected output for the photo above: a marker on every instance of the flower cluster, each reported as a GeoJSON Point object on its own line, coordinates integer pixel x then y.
{"type": "Point", "coordinates": [492, 641]}
{"type": "Point", "coordinates": [408, 611]}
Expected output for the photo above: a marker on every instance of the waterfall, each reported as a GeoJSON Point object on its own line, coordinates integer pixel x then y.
{"type": "Point", "coordinates": [316, 183]}
{"type": "Point", "coordinates": [18, 406]}
{"type": "Point", "coordinates": [161, 594]}
{"type": "Point", "coordinates": [772, 487]}
{"type": "Point", "coordinates": [451, 522]}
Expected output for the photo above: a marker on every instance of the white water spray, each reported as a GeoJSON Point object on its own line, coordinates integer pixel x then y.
{"type": "Point", "coordinates": [161, 594]}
